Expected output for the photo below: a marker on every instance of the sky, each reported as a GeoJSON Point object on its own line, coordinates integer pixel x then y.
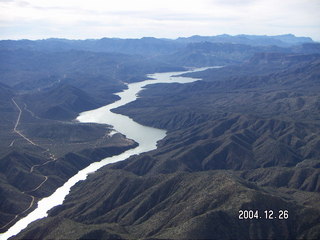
{"type": "Point", "coordinates": [83, 19]}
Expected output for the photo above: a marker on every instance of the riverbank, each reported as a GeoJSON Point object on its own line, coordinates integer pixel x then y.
{"type": "Point", "coordinates": [146, 137]}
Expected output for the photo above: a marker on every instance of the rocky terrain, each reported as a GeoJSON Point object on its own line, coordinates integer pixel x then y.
{"type": "Point", "coordinates": [246, 137]}
{"type": "Point", "coordinates": [39, 155]}
{"type": "Point", "coordinates": [237, 141]}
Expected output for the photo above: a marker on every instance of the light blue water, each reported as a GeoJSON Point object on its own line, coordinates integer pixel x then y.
{"type": "Point", "coordinates": [147, 137]}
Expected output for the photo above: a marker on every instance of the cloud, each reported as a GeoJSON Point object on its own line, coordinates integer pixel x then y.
{"type": "Point", "coordinates": [165, 18]}
{"type": "Point", "coordinates": [233, 2]}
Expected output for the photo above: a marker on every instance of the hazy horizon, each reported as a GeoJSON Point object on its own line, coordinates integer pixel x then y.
{"type": "Point", "coordinates": [76, 39]}
{"type": "Point", "coordinates": [35, 19]}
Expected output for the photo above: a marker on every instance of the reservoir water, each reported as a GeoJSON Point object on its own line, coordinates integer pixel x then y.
{"type": "Point", "coordinates": [147, 137]}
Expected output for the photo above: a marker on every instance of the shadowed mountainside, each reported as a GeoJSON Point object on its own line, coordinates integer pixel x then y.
{"type": "Point", "coordinates": [60, 102]}
{"type": "Point", "coordinates": [201, 205]}
{"type": "Point", "coordinates": [236, 141]}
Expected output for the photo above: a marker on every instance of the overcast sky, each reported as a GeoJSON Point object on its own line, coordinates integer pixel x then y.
{"type": "Point", "coordinates": [79, 19]}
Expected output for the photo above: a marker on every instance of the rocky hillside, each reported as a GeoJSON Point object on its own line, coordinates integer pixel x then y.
{"type": "Point", "coordinates": [235, 142]}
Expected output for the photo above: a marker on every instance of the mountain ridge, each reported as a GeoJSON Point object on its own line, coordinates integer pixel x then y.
{"type": "Point", "coordinates": [149, 45]}
{"type": "Point", "coordinates": [235, 141]}
{"type": "Point", "coordinates": [246, 137]}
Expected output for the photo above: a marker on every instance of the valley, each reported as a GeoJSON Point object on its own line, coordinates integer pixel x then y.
{"type": "Point", "coordinates": [245, 137]}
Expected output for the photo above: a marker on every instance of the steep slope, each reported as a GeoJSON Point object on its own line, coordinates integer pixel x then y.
{"type": "Point", "coordinates": [60, 102]}
{"type": "Point", "coordinates": [28, 173]}
{"type": "Point", "coordinates": [232, 142]}
{"type": "Point", "coordinates": [181, 205]}
{"type": "Point", "coordinates": [248, 142]}
{"type": "Point", "coordinates": [288, 90]}
{"type": "Point", "coordinates": [37, 155]}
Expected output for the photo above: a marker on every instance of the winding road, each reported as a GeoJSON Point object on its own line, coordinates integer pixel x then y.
{"type": "Point", "coordinates": [17, 123]}
{"type": "Point", "coordinates": [46, 151]}
{"type": "Point", "coordinates": [24, 211]}
{"type": "Point", "coordinates": [147, 137]}
{"type": "Point", "coordinates": [15, 129]}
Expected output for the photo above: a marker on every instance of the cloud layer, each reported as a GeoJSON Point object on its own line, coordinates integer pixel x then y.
{"type": "Point", "coordinates": [78, 19]}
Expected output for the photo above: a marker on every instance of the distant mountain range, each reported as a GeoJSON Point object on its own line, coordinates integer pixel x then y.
{"type": "Point", "coordinates": [27, 65]}
{"type": "Point", "coordinates": [149, 45]}
{"type": "Point", "coordinates": [254, 40]}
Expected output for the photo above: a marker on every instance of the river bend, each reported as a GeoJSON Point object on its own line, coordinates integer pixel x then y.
{"type": "Point", "coordinates": [146, 137]}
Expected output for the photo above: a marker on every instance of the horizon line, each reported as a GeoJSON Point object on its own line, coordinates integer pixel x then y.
{"type": "Point", "coordinates": [167, 38]}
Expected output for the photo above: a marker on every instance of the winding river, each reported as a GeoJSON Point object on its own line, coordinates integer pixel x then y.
{"type": "Point", "coordinates": [147, 137]}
